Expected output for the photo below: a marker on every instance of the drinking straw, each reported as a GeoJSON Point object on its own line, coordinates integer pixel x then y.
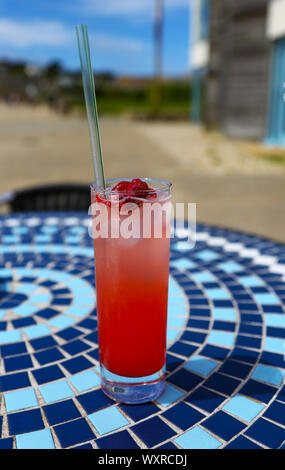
{"type": "Point", "coordinates": [91, 106]}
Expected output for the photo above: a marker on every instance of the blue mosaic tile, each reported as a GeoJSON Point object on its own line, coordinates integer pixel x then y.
{"type": "Point", "coordinates": [77, 364]}
{"type": "Point", "coordinates": [183, 416]}
{"type": "Point", "coordinates": [55, 391]}
{"type": "Point", "coordinates": [258, 391]}
{"type": "Point", "coordinates": [197, 438]}
{"type": "Point", "coordinates": [153, 431]}
{"type": "Point", "coordinates": [73, 432]}
{"type": "Point", "coordinates": [185, 379]}
{"type": "Point", "coordinates": [243, 407]}
{"type": "Point", "coordinates": [25, 421]}
{"type": "Point", "coordinates": [205, 399]}
{"type": "Point", "coordinates": [266, 433]}
{"type": "Point", "coordinates": [242, 442]}
{"type": "Point", "coordinates": [61, 412]}
{"type": "Point", "coordinates": [6, 443]}
{"type": "Point", "coordinates": [223, 425]}
{"type": "Point", "coordinates": [222, 383]}
{"type": "Point", "coordinates": [228, 363]}
{"type": "Point", "coordinates": [138, 412]}
{"type": "Point", "coordinates": [108, 419]}
{"type": "Point", "coordinates": [93, 401]}
{"type": "Point", "coordinates": [35, 440]}
{"type": "Point", "coordinates": [235, 369]}
{"type": "Point", "coordinates": [20, 399]}
{"type": "Point", "coordinates": [47, 374]}
{"type": "Point", "coordinates": [276, 412]}
{"type": "Point", "coordinates": [118, 440]}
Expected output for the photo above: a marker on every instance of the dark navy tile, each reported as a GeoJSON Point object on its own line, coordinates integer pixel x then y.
{"type": "Point", "coordinates": [75, 347]}
{"type": "Point", "coordinates": [21, 362]}
{"type": "Point", "coordinates": [273, 359]}
{"type": "Point", "coordinates": [25, 421]}
{"type": "Point", "coordinates": [138, 412]}
{"type": "Point", "coordinates": [222, 383]}
{"type": "Point", "coordinates": [48, 313]}
{"type": "Point", "coordinates": [276, 412]}
{"type": "Point", "coordinates": [244, 355]}
{"type": "Point", "coordinates": [251, 318]}
{"type": "Point", "coordinates": [61, 291]}
{"type": "Point", "coordinates": [93, 337]}
{"type": "Point", "coordinates": [193, 336]}
{"type": "Point", "coordinates": [199, 324]}
{"type": "Point", "coordinates": [69, 333]}
{"type": "Point", "coordinates": [94, 353]}
{"type": "Point", "coordinates": [21, 322]}
{"type": "Point", "coordinates": [182, 348]}
{"type": "Point", "coordinates": [183, 416]}
{"type": "Point", "coordinates": [48, 356]}
{"type": "Point", "coordinates": [60, 412]}
{"type": "Point", "coordinates": [205, 399]}
{"type": "Point", "coordinates": [223, 425]}
{"type": "Point", "coordinates": [88, 323]}
{"type": "Point", "coordinates": [199, 302]}
{"type": "Point", "coordinates": [93, 401]}
{"type": "Point", "coordinates": [119, 440]}
{"type": "Point", "coordinates": [200, 312]}
{"type": "Point", "coordinates": [47, 374]}
{"type": "Point", "coordinates": [281, 394]}
{"type": "Point", "coordinates": [153, 431]}
{"type": "Point", "coordinates": [236, 369]}
{"type": "Point", "coordinates": [73, 432]}
{"type": "Point", "coordinates": [272, 309]}
{"type": "Point", "coordinates": [242, 442]}
{"type": "Point", "coordinates": [275, 332]}
{"type": "Point", "coordinates": [248, 341]}
{"type": "Point", "coordinates": [258, 391]}
{"type": "Point", "coordinates": [43, 343]}
{"type": "Point", "coordinates": [167, 446]}
{"type": "Point", "coordinates": [184, 379]}
{"type": "Point", "coordinates": [224, 325]}
{"type": "Point", "coordinates": [61, 301]}
{"type": "Point", "coordinates": [83, 446]}
{"type": "Point", "coordinates": [6, 443]}
{"type": "Point", "coordinates": [77, 364]}
{"type": "Point", "coordinates": [13, 349]}
{"type": "Point", "coordinates": [14, 381]}
{"type": "Point", "coordinates": [214, 352]}
{"type": "Point", "coordinates": [266, 433]}
{"type": "Point", "coordinates": [172, 362]}
{"type": "Point", "coordinates": [250, 329]}
{"type": "Point", "coordinates": [3, 325]}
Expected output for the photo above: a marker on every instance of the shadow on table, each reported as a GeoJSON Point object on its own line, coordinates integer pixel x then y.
{"type": "Point", "coordinates": [210, 381]}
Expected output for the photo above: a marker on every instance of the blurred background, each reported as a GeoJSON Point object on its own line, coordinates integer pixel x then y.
{"type": "Point", "coordinates": [188, 90]}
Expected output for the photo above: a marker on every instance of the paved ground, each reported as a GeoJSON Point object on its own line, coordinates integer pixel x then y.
{"type": "Point", "coordinates": [231, 183]}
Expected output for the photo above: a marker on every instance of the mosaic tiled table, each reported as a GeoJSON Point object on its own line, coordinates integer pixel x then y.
{"type": "Point", "coordinates": [226, 338]}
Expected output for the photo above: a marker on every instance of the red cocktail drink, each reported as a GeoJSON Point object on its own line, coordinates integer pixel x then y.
{"type": "Point", "coordinates": [132, 267]}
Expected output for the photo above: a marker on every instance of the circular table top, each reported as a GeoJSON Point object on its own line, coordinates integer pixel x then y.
{"type": "Point", "coordinates": [226, 343]}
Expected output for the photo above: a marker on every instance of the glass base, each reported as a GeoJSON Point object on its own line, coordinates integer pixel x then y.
{"type": "Point", "coordinates": [132, 390]}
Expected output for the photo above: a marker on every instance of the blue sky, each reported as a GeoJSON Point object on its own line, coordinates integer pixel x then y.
{"type": "Point", "coordinates": [120, 33]}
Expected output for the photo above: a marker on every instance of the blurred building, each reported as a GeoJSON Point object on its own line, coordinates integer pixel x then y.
{"type": "Point", "coordinates": [243, 67]}
{"type": "Point", "coordinates": [199, 52]}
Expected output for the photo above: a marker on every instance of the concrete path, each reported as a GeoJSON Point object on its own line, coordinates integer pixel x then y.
{"type": "Point", "coordinates": [232, 186]}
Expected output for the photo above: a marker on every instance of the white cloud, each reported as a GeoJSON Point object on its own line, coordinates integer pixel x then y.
{"type": "Point", "coordinates": [20, 35]}
{"type": "Point", "coordinates": [127, 7]}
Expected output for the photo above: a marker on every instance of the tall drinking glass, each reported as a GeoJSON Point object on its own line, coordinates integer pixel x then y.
{"type": "Point", "coordinates": [131, 247]}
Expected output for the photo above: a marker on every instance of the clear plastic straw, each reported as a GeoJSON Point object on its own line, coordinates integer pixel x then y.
{"type": "Point", "coordinates": [91, 106]}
